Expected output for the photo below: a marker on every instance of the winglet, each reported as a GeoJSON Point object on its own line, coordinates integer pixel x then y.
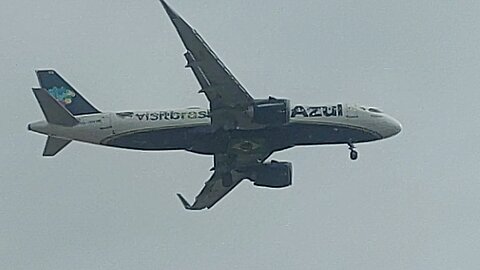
{"type": "Point", "coordinates": [171, 13]}
{"type": "Point", "coordinates": [184, 202]}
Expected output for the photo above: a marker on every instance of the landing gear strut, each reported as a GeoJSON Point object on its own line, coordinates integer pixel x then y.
{"type": "Point", "coordinates": [353, 152]}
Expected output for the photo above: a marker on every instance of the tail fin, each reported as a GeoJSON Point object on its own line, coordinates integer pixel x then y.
{"type": "Point", "coordinates": [53, 111]}
{"type": "Point", "coordinates": [54, 145]}
{"type": "Point", "coordinates": [64, 93]}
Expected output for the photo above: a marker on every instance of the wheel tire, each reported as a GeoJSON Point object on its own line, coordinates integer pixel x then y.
{"type": "Point", "coordinates": [353, 155]}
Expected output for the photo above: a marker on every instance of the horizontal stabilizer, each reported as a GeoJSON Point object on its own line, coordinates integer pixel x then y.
{"type": "Point", "coordinates": [53, 111]}
{"type": "Point", "coordinates": [54, 145]}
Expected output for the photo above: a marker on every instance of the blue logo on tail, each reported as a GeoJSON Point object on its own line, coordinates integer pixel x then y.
{"type": "Point", "coordinates": [62, 94]}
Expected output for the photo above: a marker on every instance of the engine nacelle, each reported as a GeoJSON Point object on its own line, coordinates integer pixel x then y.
{"type": "Point", "coordinates": [271, 111]}
{"type": "Point", "coordinates": [273, 175]}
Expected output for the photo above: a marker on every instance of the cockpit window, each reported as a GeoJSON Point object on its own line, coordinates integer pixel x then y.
{"type": "Point", "coordinates": [375, 110]}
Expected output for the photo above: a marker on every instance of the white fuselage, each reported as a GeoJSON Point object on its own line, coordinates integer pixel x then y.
{"type": "Point", "coordinates": [148, 130]}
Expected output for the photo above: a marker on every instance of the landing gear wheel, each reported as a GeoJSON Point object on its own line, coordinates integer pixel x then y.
{"type": "Point", "coordinates": [353, 155]}
{"type": "Point", "coordinates": [227, 179]}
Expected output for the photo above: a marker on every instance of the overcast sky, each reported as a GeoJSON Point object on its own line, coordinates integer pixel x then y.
{"type": "Point", "coordinates": [409, 202]}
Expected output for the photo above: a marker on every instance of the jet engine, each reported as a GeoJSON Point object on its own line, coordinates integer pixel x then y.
{"type": "Point", "coordinates": [271, 111]}
{"type": "Point", "coordinates": [273, 175]}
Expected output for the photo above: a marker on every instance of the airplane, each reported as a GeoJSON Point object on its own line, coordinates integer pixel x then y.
{"type": "Point", "coordinates": [239, 131]}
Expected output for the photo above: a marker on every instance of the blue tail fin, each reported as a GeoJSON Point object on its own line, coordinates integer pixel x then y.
{"type": "Point", "coordinates": [58, 88]}
{"type": "Point", "coordinates": [54, 112]}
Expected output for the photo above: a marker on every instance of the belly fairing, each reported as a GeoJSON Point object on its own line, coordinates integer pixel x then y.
{"type": "Point", "coordinates": [202, 139]}
{"type": "Point", "coordinates": [160, 139]}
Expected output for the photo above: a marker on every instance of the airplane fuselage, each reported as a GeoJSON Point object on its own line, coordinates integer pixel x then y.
{"type": "Point", "coordinates": [190, 129]}
{"type": "Point", "coordinates": [238, 130]}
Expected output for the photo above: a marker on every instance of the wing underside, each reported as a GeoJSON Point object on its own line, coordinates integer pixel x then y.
{"type": "Point", "coordinates": [212, 192]}
{"type": "Point", "coordinates": [229, 172]}
{"type": "Point", "coordinates": [228, 98]}
{"type": "Point", "coordinates": [229, 103]}
{"type": "Point", "coordinates": [217, 82]}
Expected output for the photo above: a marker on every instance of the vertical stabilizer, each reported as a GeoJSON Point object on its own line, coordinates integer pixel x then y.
{"type": "Point", "coordinates": [54, 145]}
{"type": "Point", "coordinates": [53, 111]}
{"type": "Point", "coordinates": [64, 93]}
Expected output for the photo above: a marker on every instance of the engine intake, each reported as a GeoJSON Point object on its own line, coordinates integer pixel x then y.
{"type": "Point", "coordinates": [273, 175]}
{"type": "Point", "coordinates": [271, 111]}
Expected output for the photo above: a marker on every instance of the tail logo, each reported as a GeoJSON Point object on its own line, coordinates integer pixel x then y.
{"type": "Point", "coordinates": [62, 94]}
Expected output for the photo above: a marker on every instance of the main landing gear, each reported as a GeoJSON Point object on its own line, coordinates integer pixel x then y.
{"type": "Point", "coordinates": [353, 152]}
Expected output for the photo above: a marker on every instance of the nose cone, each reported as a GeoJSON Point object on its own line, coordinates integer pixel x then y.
{"type": "Point", "coordinates": [392, 127]}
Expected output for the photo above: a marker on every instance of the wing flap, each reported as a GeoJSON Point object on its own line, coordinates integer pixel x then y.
{"type": "Point", "coordinates": [197, 71]}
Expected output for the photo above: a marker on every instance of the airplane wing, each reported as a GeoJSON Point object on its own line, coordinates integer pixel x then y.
{"type": "Point", "coordinates": [225, 94]}
{"type": "Point", "coordinates": [217, 186]}
{"type": "Point", "coordinates": [212, 192]}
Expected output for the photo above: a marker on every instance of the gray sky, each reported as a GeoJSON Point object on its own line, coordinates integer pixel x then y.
{"type": "Point", "coordinates": [409, 202]}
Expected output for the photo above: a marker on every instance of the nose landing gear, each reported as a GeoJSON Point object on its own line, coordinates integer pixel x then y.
{"type": "Point", "coordinates": [353, 152]}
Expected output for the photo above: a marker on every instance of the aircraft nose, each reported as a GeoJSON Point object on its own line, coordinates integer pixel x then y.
{"type": "Point", "coordinates": [394, 127]}
{"type": "Point", "coordinates": [397, 126]}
